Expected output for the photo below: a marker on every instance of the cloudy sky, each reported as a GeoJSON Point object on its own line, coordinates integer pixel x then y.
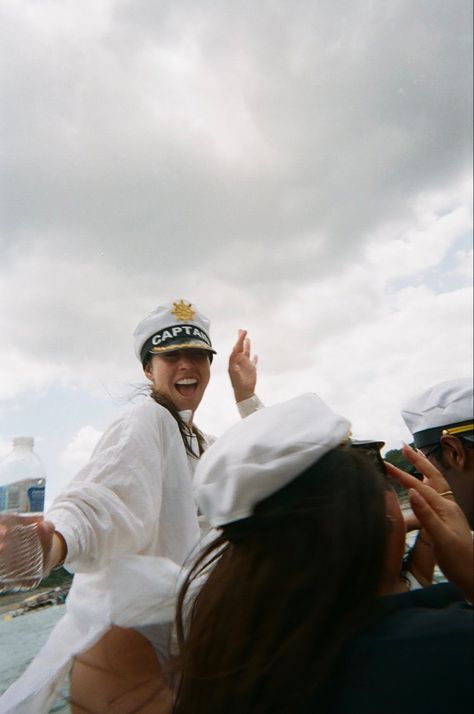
{"type": "Point", "coordinates": [301, 169]}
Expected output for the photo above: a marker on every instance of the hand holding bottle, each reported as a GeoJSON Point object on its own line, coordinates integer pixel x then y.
{"type": "Point", "coordinates": [21, 553]}
{"type": "Point", "coordinates": [28, 549]}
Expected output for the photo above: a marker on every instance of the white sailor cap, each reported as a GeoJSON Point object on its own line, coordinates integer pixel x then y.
{"type": "Point", "coordinates": [176, 326]}
{"type": "Point", "coordinates": [446, 408]}
{"type": "Point", "coordinates": [263, 453]}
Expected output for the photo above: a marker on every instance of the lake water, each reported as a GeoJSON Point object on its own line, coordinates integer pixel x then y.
{"type": "Point", "coordinates": [21, 638]}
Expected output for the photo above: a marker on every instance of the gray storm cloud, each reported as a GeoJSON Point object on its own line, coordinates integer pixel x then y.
{"type": "Point", "coordinates": [185, 128]}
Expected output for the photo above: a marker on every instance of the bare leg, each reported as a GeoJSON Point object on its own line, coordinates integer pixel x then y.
{"type": "Point", "coordinates": [120, 674]}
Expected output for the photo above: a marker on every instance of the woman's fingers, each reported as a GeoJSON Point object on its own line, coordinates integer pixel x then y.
{"type": "Point", "coordinates": [45, 533]}
{"type": "Point", "coordinates": [21, 552]}
{"type": "Point", "coordinates": [449, 531]}
{"type": "Point", "coordinates": [238, 348]}
{"type": "Point", "coordinates": [428, 513]}
{"type": "Point", "coordinates": [425, 467]}
{"type": "Point", "coordinates": [403, 477]}
{"type": "Point", "coordinates": [242, 368]}
{"type": "Point", "coordinates": [412, 523]}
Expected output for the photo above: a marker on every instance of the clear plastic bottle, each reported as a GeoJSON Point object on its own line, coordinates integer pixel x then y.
{"type": "Point", "coordinates": [22, 486]}
{"type": "Point", "coordinates": [22, 479]}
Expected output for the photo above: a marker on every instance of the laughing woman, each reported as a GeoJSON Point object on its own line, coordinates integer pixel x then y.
{"type": "Point", "coordinates": [127, 517]}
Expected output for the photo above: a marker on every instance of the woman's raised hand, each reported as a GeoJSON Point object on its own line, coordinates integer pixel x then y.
{"type": "Point", "coordinates": [243, 368]}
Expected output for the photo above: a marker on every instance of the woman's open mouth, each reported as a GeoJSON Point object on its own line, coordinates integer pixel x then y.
{"type": "Point", "coordinates": [186, 387]}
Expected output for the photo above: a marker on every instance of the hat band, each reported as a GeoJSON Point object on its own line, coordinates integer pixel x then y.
{"type": "Point", "coordinates": [427, 437]}
{"type": "Point", "coordinates": [175, 338]}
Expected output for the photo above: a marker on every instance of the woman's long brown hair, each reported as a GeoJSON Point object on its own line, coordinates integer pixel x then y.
{"type": "Point", "coordinates": [285, 592]}
{"type": "Point", "coordinates": [185, 430]}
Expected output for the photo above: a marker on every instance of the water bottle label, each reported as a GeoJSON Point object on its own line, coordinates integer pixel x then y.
{"type": "Point", "coordinates": [12, 498]}
{"type": "Point", "coordinates": [36, 499]}
{"type": "Point", "coordinates": [23, 496]}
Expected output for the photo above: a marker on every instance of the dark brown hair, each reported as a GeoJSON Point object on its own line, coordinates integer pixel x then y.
{"type": "Point", "coordinates": [286, 590]}
{"type": "Point", "coordinates": [185, 430]}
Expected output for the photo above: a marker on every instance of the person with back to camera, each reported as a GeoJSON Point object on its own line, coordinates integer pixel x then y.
{"type": "Point", "coordinates": [298, 606]}
{"type": "Point", "coordinates": [125, 526]}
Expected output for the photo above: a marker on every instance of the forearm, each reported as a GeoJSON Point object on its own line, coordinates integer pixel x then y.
{"type": "Point", "coordinates": [92, 525]}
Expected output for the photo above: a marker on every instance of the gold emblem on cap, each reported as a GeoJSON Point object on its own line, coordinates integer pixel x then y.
{"type": "Point", "coordinates": [183, 311]}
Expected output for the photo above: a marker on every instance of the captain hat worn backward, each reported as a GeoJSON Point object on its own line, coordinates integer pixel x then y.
{"type": "Point", "coordinates": [446, 408]}
{"type": "Point", "coordinates": [176, 326]}
{"type": "Point", "coordinates": [263, 453]}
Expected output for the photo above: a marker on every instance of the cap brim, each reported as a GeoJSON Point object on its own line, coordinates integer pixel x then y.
{"type": "Point", "coordinates": [191, 345]}
{"type": "Point", "coordinates": [366, 444]}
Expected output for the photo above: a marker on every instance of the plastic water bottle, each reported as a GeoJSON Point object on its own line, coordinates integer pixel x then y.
{"type": "Point", "coordinates": [22, 479]}
{"type": "Point", "coordinates": [22, 487]}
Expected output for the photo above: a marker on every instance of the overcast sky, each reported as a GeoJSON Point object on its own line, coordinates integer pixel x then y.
{"type": "Point", "coordinates": [301, 169]}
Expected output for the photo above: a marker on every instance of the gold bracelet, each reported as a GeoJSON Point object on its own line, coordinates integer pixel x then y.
{"type": "Point", "coordinates": [446, 493]}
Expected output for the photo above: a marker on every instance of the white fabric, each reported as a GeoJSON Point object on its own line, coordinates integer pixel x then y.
{"type": "Point", "coordinates": [249, 406]}
{"type": "Point", "coordinates": [443, 404]}
{"type": "Point", "coordinates": [129, 521]}
{"type": "Point", "coordinates": [133, 497]}
{"type": "Point", "coordinates": [134, 590]}
{"type": "Point", "coordinates": [263, 453]}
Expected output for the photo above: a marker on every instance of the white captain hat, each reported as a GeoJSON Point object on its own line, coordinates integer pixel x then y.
{"type": "Point", "coordinates": [263, 453]}
{"type": "Point", "coordinates": [446, 408]}
{"type": "Point", "coordinates": [175, 326]}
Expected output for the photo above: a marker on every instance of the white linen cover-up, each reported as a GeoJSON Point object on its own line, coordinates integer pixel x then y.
{"type": "Point", "coordinates": [129, 521]}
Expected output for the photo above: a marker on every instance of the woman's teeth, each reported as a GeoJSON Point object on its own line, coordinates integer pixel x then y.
{"type": "Point", "coordinates": [186, 387]}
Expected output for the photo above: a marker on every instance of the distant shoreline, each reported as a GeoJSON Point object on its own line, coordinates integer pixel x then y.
{"type": "Point", "coordinates": [12, 601]}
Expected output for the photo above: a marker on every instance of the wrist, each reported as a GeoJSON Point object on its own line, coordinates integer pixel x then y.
{"type": "Point", "coordinates": [58, 552]}
{"type": "Point", "coordinates": [242, 396]}
{"type": "Point", "coordinates": [249, 406]}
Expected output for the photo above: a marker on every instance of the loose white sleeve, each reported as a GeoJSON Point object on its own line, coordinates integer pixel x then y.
{"type": "Point", "coordinates": [249, 406]}
{"type": "Point", "coordinates": [114, 505]}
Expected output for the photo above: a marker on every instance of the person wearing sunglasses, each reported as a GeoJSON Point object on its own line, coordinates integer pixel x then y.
{"type": "Point", "coordinates": [441, 421]}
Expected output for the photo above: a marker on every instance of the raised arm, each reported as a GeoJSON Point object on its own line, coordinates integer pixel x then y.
{"type": "Point", "coordinates": [243, 368]}
{"type": "Point", "coordinates": [446, 526]}
{"type": "Point", "coordinates": [422, 560]}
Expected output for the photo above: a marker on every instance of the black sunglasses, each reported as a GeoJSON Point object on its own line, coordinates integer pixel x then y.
{"type": "Point", "coordinates": [372, 450]}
